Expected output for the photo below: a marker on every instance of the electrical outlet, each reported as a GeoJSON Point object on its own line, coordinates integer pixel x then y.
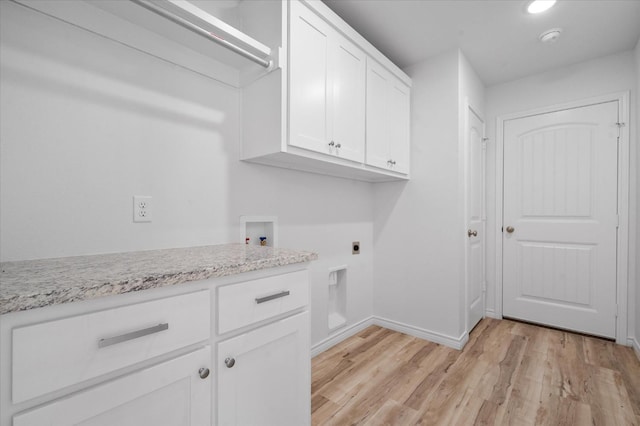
{"type": "Point", "coordinates": [142, 208]}
{"type": "Point", "coordinates": [355, 247]}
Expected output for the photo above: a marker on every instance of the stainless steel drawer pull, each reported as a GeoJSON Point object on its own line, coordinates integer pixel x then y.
{"type": "Point", "coordinates": [133, 335]}
{"type": "Point", "coordinates": [272, 296]}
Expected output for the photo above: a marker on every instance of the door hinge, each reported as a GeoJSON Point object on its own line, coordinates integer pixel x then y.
{"type": "Point", "coordinates": [484, 143]}
{"type": "Point", "coordinates": [620, 126]}
{"type": "Point", "coordinates": [617, 221]}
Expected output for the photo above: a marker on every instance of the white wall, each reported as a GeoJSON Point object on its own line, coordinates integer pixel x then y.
{"type": "Point", "coordinates": [611, 74]}
{"type": "Point", "coordinates": [636, 125]}
{"type": "Point", "coordinates": [419, 246]}
{"type": "Point", "coordinates": [88, 123]}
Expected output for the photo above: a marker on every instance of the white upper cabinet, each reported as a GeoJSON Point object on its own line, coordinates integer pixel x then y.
{"type": "Point", "coordinates": [312, 113]}
{"type": "Point", "coordinates": [388, 123]}
{"type": "Point", "coordinates": [327, 88]}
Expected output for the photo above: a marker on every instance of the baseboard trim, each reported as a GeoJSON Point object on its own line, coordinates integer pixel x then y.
{"type": "Point", "coordinates": [490, 313]}
{"type": "Point", "coordinates": [421, 333]}
{"type": "Point", "coordinates": [339, 336]}
{"type": "Point", "coordinates": [432, 336]}
{"type": "Point", "coordinates": [636, 347]}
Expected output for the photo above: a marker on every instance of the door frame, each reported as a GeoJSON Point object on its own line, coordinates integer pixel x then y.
{"type": "Point", "coordinates": [470, 109]}
{"type": "Point", "coordinates": [626, 241]}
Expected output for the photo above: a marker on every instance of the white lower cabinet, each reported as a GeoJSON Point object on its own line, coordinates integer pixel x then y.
{"type": "Point", "coordinates": [174, 393]}
{"type": "Point", "coordinates": [141, 359]}
{"type": "Point", "coordinates": [264, 375]}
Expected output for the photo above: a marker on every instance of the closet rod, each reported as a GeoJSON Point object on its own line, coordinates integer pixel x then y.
{"type": "Point", "coordinates": [202, 32]}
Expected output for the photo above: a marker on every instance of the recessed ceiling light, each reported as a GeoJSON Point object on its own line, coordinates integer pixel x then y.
{"type": "Point", "coordinates": [550, 36]}
{"type": "Point", "coordinates": [539, 6]}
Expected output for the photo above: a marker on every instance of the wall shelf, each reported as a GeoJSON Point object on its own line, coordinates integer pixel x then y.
{"type": "Point", "coordinates": [132, 24]}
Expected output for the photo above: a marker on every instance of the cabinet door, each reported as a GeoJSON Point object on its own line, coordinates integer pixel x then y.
{"type": "Point", "coordinates": [264, 375]}
{"type": "Point", "coordinates": [171, 393]}
{"type": "Point", "coordinates": [399, 126]}
{"type": "Point", "coordinates": [308, 59]}
{"type": "Point", "coordinates": [378, 132]}
{"type": "Point", "coordinates": [388, 120]}
{"type": "Point", "coordinates": [347, 75]}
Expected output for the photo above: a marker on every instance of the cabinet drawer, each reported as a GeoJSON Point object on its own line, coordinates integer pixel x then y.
{"type": "Point", "coordinates": [60, 353]}
{"type": "Point", "coordinates": [246, 303]}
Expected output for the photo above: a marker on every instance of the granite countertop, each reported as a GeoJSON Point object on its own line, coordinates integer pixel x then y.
{"type": "Point", "coordinates": [32, 284]}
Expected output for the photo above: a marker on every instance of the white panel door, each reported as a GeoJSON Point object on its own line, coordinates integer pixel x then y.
{"type": "Point", "coordinates": [308, 84]}
{"type": "Point", "coordinates": [560, 218]}
{"type": "Point", "coordinates": [168, 394]}
{"type": "Point", "coordinates": [347, 76]}
{"type": "Point", "coordinates": [475, 216]}
{"type": "Point", "coordinates": [264, 375]}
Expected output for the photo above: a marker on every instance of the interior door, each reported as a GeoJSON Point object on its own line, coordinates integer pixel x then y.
{"type": "Point", "coordinates": [476, 218]}
{"type": "Point", "coordinates": [560, 218]}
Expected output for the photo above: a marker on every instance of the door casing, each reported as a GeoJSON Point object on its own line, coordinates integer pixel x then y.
{"type": "Point", "coordinates": [625, 209]}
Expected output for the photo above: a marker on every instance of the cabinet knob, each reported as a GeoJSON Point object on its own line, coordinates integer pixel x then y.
{"type": "Point", "coordinates": [229, 362]}
{"type": "Point", "coordinates": [391, 162]}
{"type": "Point", "coordinates": [203, 373]}
{"type": "Point", "coordinates": [338, 146]}
{"type": "Point", "coordinates": [332, 143]}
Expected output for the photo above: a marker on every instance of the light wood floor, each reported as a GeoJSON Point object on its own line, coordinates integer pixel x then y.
{"type": "Point", "coordinates": [509, 373]}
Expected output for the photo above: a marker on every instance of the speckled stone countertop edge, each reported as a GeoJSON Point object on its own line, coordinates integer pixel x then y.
{"type": "Point", "coordinates": [16, 293]}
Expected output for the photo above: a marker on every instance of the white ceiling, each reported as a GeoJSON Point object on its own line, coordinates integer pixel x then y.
{"type": "Point", "coordinates": [497, 36]}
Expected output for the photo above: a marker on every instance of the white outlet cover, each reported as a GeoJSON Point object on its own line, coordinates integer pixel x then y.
{"type": "Point", "coordinates": [142, 208]}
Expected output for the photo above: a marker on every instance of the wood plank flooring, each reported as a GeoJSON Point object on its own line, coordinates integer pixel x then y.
{"type": "Point", "coordinates": [509, 373]}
